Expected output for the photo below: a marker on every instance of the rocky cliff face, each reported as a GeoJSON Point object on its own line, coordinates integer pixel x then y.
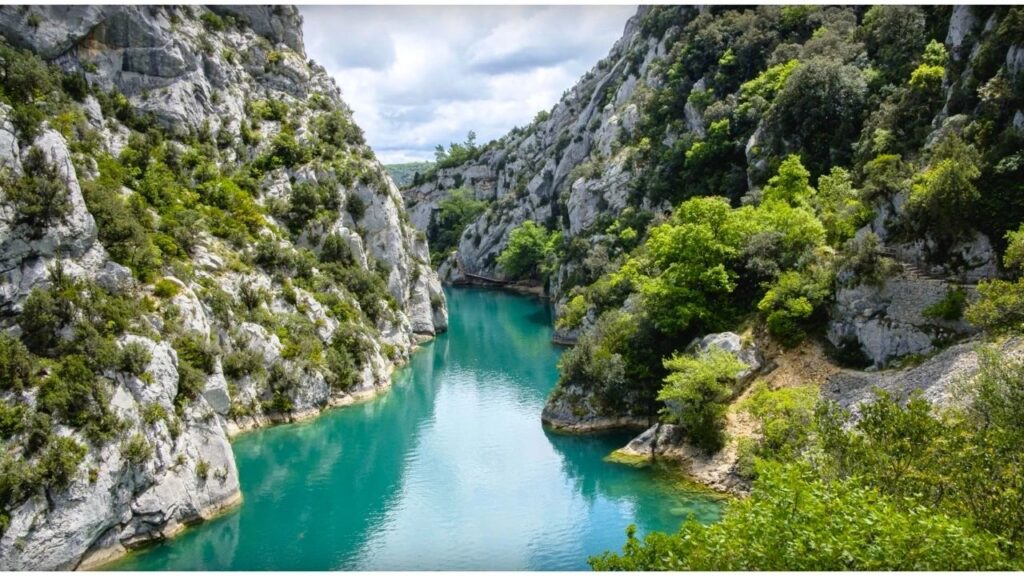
{"type": "Point", "coordinates": [231, 327]}
{"type": "Point", "coordinates": [565, 169]}
{"type": "Point", "coordinates": [687, 104]}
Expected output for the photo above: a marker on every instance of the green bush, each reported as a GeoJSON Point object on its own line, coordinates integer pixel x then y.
{"type": "Point", "coordinates": [59, 463]}
{"type": "Point", "coordinates": [133, 358]}
{"type": "Point", "coordinates": [17, 371]}
{"type": "Point", "coordinates": [529, 247]}
{"type": "Point", "coordinates": [355, 206]}
{"type": "Point", "coordinates": [950, 308]}
{"type": "Point", "coordinates": [945, 191]}
{"type": "Point", "coordinates": [202, 469]}
{"type": "Point", "coordinates": [69, 391]}
{"type": "Point", "coordinates": [136, 450]}
{"type": "Point", "coordinates": [166, 288]}
{"type": "Point", "coordinates": [39, 196]}
{"type": "Point", "coordinates": [794, 521]}
{"type": "Point", "coordinates": [696, 393]}
{"type": "Point", "coordinates": [785, 420]}
{"type": "Point", "coordinates": [194, 349]}
{"type": "Point", "coordinates": [454, 213]}
{"type": "Point", "coordinates": [153, 413]}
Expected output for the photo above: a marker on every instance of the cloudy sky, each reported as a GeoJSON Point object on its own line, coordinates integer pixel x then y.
{"type": "Point", "coordinates": [425, 75]}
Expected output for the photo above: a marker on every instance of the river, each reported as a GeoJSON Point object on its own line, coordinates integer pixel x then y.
{"type": "Point", "coordinates": [449, 470]}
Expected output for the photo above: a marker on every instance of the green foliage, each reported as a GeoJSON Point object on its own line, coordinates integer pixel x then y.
{"type": "Point", "coordinates": [136, 449]}
{"type": "Point", "coordinates": [39, 196]}
{"type": "Point", "coordinates": [573, 313]}
{"type": "Point", "coordinates": [950, 308]}
{"type": "Point", "coordinates": [166, 288]}
{"type": "Point", "coordinates": [153, 413]}
{"type": "Point", "coordinates": [133, 358]}
{"type": "Point", "coordinates": [785, 421]}
{"type": "Point", "coordinates": [893, 36]}
{"type": "Point", "coordinates": [212, 21]}
{"type": "Point", "coordinates": [1000, 305]}
{"type": "Point", "coordinates": [528, 249]}
{"type": "Point", "coordinates": [682, 272]}
{"type": "Point", "coordinates": [30, 87]}
{"type": "Point", "coordinates": [309, 201]}
{"type": "Point", "coordinates": [202, 469]}
{"type": "Point", "coordinates": [792, 300]}
{"type": "Point", "coordinates": [945, 190]}
{"type": "Point", "coordinates": [456, 154]}
{"type": "Point", "coordinates": [454, 213]}
{"type": "Point", "coordinates": [794, 521]}
{"type": "Point", "coordinates": [821, 106]}
{"type": "Point", "coordinates": [697, 391]}
{"type": "Point", "coordinates": [355, 206]}
{"type": "Point", "coordinates": [70, 393]}
{"type": "Point", "coordinates": [839, 207]}
{"type": "Point", "coordinates": [791, 184]}
{"type": "Point", "coordinates": [125, 227]}
{"type": "Point", "coordinates": [59, 463]}
{"type": "Point", "coordinates": [17, 370]}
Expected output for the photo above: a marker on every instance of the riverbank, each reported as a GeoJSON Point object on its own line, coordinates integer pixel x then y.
{"type": "Point", "coordinates": [106, 556]}
{"type": "Point", "coordinates": [417, 478]}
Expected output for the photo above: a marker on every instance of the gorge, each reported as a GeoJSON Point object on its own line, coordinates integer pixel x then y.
{"type": "Point", "coordinates": [784, 246]}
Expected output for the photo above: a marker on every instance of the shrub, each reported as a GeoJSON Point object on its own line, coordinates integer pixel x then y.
{"type": "Point", "coordinates": [529, 245]}
{"type": "Point", "coordinates": [785, 420]}
{"type": "Point", "coordinates": [454, 213]}
{"type": "Point", "coordinates": [696, 394]}
{"type": "Point", "coordinates": [165, 288]}
{"type": "Point", "coordinates": [40, 195]}
{"type": "Point", "coordinates": [241, 363]}
{"type": "Point", "coordinates": [945, 191]}
{"type": "Point", "coordinates": [194, 349]}
{"type": "Point", "coordinates": [950, 308]}
{"type": "Point", "coordinates": [16, 365]}
{"type": "Point", "coordinates": [133, 358]}
{"type": "Point", "coordinates": [59, 463]}
{"type": "Point", "coordinates": [793, 521]}
{"type": "Point", "coordinates": [792, 300]}
{"type": "Point", "coordinates": [355, 206]}
{"type": "Point", "coordinates": [336, 249]}
{"type": "Point", "coordinates": [68, 392]}
{"type": "Point", "coordinates": [202, 469]}
{"type": "Point", "coordinates": [136, 449]}
{"type": "Point", "coordinates": [153, 413]}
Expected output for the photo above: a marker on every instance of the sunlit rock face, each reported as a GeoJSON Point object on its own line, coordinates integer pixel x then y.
{"type": "Point", "coordinates": [192, 70]}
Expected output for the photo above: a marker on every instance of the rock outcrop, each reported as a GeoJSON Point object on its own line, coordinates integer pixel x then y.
{"type": "Point", "coordinates": [936, 378]}
{"type": "Point", "coordinates": [199, 71]}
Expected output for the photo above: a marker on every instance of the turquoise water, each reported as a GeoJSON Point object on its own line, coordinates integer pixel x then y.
{"type": "Point", "coordinates": [450, 470]}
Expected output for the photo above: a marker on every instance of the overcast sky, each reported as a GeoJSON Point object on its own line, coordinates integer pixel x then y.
{"type": "Point", "coordinates": [418, 76]}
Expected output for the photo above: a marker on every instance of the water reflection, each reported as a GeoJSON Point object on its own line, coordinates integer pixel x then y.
{"type": "Point", "coordinates": [451, 470]}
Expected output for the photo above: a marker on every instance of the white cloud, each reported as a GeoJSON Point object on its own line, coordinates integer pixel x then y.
{"type": "Point", "coordinates": [426, 75]}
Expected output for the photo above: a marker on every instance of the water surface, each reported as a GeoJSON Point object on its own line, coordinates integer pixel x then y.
{"type": "Point", "coordinates": [450, 470]}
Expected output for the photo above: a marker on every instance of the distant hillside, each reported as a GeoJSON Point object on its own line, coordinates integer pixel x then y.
{"type": "Point", "coordinates": [403, 174]}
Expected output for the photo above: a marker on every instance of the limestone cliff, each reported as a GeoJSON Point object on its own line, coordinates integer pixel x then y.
{"type": "Point", "coordinates": [691, 101]}
{"type": "Point", "coordinates": [241, 308]}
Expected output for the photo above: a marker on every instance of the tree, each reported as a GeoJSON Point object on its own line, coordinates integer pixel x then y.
{"type": "Point", "coordinates": [697, 391]}
{"type": "Point", "coordinates": [893, 35]}
{"type": "Point", "coordinates": [838, 206]}
{"type": "Point", "coordinates": [529, 246]}
{"type": "Point", "coordinates": [40, 195]}
{"type": "Point", "coordinates": [821, 106]}
{"type": "Point", "coordinates": [944, 192]}
{"type": "Point", "coordinates": [791, 184]}
{"type": "Point", "coordinates": [16, 365]}
{"type": "Point", "coordinates": [794, 521]}
{"type": "Point", "coordinates": [454, 213]}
